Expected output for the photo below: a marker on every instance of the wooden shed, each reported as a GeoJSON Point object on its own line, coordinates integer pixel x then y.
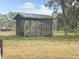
{"type": "Point", "coordinates": [33, 24]}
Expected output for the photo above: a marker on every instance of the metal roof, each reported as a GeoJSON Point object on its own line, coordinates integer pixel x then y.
{"type": "Point", "coordinates": [31, 16]}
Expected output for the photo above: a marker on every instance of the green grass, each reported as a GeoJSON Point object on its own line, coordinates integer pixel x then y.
{"type": "Point", "coordinates": [54, 38]}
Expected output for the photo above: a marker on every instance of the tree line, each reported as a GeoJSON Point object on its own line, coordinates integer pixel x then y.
{"type": "Point", "coordinates": [6, 22]}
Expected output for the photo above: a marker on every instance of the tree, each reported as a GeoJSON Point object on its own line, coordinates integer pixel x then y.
{"type": "Point", "coordinates": [60, 22]}
{"type": "Point", "coordinates": [63, 4]}
{"type": "Point", "coordinates": [72, 14]}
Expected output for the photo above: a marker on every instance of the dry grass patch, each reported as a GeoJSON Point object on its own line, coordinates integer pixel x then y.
{"type": "Point", "coordinates": [22, 49]}
{"type": "Point", "coordinates": [7, 33]}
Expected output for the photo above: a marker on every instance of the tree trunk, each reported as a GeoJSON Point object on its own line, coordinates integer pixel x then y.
{"type": "Point", "coordinates": [64, 18]}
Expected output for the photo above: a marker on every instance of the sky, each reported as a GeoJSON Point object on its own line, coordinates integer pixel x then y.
{"type": "Point", "coordinates": [25, 6]}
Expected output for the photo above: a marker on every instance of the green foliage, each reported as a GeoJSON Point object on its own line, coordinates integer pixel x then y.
{"type": "Point", "coordinates": [69, 21]}
{"type": "Point", "coordinates": [60, 22]}
{"type": "Point", "coordinates": [6, 22]}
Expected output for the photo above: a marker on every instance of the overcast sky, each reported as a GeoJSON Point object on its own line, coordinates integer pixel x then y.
{"type": "Point", "coordinates": [26, 6]}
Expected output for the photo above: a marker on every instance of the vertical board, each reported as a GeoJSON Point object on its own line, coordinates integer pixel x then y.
{"type": "Point", "coordinates": [18, 27]}
{"type": "Point", "coordinates": [27, 28]}
{"type": "Point", "coordinates": [22, 27]}
{"type": "Point", "coordinates": [46, 27]}
{"type": "Point", "coordinates": [34, 27]}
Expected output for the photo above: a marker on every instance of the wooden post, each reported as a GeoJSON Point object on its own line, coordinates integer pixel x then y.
{"type": "Point", "coordinates": [1, 47]}
{"type": "Point", "coordinates": [52, 28]}
{"type": "Point", "coordinates": [30, 27]}
{"type": "Point", "coordinates": [24, 28]}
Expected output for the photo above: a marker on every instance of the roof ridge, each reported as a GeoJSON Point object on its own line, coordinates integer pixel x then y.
{"type": "Point", "coordinates": [33, 14]}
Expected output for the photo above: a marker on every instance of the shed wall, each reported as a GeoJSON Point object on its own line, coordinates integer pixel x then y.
{"type": "Point", "coordinates": [34, 27]}
{"type": "Point", "coordinates": [20, 27]}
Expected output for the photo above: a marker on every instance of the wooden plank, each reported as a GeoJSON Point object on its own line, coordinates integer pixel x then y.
{"type": "Point", "coordinates": [34, 27]}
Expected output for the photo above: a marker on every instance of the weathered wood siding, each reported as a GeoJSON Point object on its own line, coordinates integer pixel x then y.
{"type": "Point", "coordinates": [46, 27]}
{"type": "Point", "coordinates": [37, 28]}
{"type": "Point", "coordinates": [31, 27]}
{"type": "Point", "coordinates": [20, 27]}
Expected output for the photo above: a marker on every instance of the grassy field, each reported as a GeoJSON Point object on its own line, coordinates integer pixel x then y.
{"type": "Point", "coordinates": [40, 47]}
